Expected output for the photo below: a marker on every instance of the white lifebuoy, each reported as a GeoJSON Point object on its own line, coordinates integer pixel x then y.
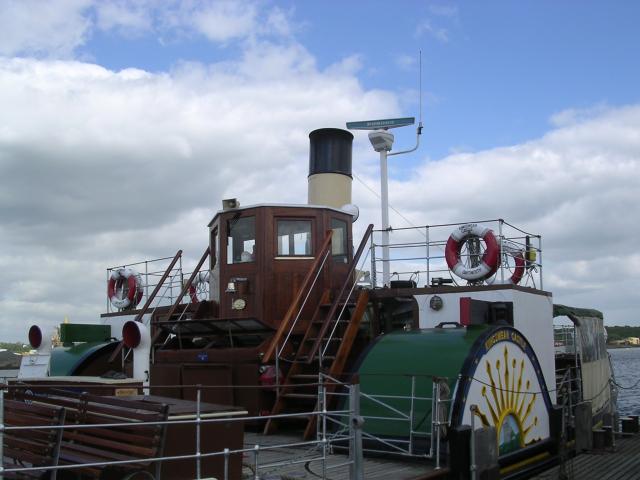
{"type": "Point", "coordinates": [201, 278]}
{"type": "Point", "coordinates": [134, 286]}
{"type": "Point", "coordinates": [490, 258]}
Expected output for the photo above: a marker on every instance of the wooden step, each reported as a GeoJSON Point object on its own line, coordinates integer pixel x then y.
{"type": "Point", "coordinates": [320, 322]}
{"type": "Point", "coordinates": [341, 304]}
{"type": "Point", "coordinates": [305, 358]}
{"type": "Point", "coordinates": [313, 339]}
{"type": "Point", "coordinates": [338, 362]}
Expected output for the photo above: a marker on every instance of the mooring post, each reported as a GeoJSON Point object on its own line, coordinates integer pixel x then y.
{"type": "Point", "coordinates": [226, 464]}
{"type": "Point", "coordinates": [473, 467]}
{"type": "Point", "coordinates": [324, 429]}
{"type": "Point", "coordinates": [1, 431]}
{"type": "Point", "coordinates": [437, 423]}
{"type": "Point", "coordinates": [198, 463]}
{"type": "Point", "coordinates": [256, 450]}
{"type": "Point", "coordinates": [433, 418]}
{"type": "Point", "coordinates": [355, 430]}
{"type": "Point", "coordinates": [411, 413]}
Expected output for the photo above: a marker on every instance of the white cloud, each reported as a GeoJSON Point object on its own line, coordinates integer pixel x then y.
{"type": "Point", "coordinates": [222, 20]}
{"type": "Point", "coordinates": [572, 116]}
{"type": "Point", "coordinates": [36, 27]}
{"type": "Point", "coordinates": [406, 62]}
{"type": "Point", "coordinates": [427, 27]}
{"type": "Point", "coordinates": [62, 27]}
{"type": "Point", "coordinates": [444, 10]}
{"type": "Point", "coordinates": [578, 186]}
{"type": "Point", "coordinates": [131, 18]}
{"type": "Point", "coordinates": [102, 167]}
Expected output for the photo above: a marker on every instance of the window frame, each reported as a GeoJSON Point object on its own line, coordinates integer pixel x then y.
{"type": "Point", "coordinates": [307, 219]}
{"type": "Point", "coordinates": [228, 231]}
{"type": "Point", "coordinates": [344, 256]}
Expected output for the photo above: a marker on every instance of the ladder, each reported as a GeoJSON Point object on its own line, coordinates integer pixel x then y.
{"type": "Point", "coordinates": [299, 390]}
{"type": "Point", "coordinates": [325, 347]}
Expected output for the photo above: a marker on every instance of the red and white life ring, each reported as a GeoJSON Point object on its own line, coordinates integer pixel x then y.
{"type": "Point", "coordinates": [490, 258]}
{"type": "Point", "coordinates": [134, 288]}
{"type": "Point", "coordinates": [201, 278]}
{"type": "Point", "coordinates": [518, 270]}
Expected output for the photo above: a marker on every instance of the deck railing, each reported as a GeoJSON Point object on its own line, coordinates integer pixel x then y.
{"type": "Point", "coordinates": [418, 254]}
{"type": "Point", "coordinates": [422, 434]}
{"type": "Point", "coordinates": [317, 451]}
{"type": "Point", "coordinates": [342, 429]}
{"type": "Point", "coordinates": [152, 272]}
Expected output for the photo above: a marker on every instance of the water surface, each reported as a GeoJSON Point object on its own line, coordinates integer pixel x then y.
{"type": "Point", "coordinates": [626, 368]}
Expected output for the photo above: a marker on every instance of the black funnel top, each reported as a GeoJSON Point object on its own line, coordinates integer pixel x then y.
{"type": "Point", "coordinates": [330, 151]}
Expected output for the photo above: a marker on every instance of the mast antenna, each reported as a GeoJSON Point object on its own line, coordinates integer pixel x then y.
{"type": "Point", "coordinates": [420, 86]}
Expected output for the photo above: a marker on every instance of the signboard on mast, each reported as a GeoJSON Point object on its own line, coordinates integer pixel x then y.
{"type": "Point", "coordinates": [382, 124]}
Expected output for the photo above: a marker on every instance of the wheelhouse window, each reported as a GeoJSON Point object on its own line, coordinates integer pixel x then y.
{"type": "Point", "coordinates": [339, 240]}
{"type": "Point", "coordinates": [215, 248]}
{"type": "Point", "coordinates": [294, 238]}
{"type": "Point", "coordinates": [241, 240]}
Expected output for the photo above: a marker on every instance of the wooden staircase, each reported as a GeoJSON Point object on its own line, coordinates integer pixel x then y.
{"type": "Point", "coordinates": [326, 344]}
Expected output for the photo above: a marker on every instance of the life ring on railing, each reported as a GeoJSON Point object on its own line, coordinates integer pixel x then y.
{"type": "Point", "coordinates": [518, 270]}
{"type": "Point", "coordinates": [134, 288]}
{"type": "Point", "coordinates": [201, 278]}
{"type": "Point", "coordinates": [490, 258]}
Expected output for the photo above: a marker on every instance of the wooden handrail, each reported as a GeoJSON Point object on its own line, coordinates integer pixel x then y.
{"type": "Point", "coordinates": [150, 299]}
{"type": "Point", "coordinates": [289, 316]}
{"type": "Point", "coordinates": [185, 288]}
{"type": "Point", "coordinates": [336, 302]}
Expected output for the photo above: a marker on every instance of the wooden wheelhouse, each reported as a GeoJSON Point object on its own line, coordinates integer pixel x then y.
{"type": "Point", "coordinates": [261, 254]}
{"type": "Point", "coordinates": [274, 273]}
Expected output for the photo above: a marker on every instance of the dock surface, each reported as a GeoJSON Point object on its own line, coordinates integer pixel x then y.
{"type": "Point", "coordinates": [619, 463]}
{"type": "Point", "coordinates": [310, 465]}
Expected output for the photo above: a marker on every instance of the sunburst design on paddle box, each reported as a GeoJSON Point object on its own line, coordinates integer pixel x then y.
{"type": "Point", "coordinates": [508, 405]}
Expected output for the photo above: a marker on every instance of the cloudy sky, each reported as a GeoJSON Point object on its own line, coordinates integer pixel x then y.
{"type": "Point", "coordinates": [124, 123]}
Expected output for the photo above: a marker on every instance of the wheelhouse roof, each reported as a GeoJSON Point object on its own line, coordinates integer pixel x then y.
{"type": "Point", "coordinates": [279, 205]}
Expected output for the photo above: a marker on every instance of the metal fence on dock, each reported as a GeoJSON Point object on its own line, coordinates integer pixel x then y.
{"type": "Point", "coordinates": [339, 429]}
{"type": "Point", "coordinates": [409, 443]}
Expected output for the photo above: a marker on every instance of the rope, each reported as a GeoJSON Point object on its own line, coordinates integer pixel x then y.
{"type": "Point", "coordinates": [542, 391]}
{"type": "Point", "coordinates": [623, 387]}
{"type": "Point", "coordinates": [390, 206]}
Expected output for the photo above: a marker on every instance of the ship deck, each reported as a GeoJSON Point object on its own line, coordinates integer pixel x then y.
{"type": "Point", "coordinates": [310, 466]}
{"type": "Point", "coordinates": [619, 463]}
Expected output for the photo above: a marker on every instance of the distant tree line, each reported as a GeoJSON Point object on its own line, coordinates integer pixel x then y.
{"type": "Point", "coordinates": [16, 347]}
{"type": "Point", "coordinates": [620, 333]}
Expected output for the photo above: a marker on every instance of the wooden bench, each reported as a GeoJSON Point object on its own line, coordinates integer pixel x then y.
{"type": "Point", "coordinates": [32, 447]}
{"type": "Point", "coordinates": [132, 442]}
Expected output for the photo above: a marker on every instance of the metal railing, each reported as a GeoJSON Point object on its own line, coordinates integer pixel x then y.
{"type": "Point", "coordinates": [564, 339]}
{"type": "Point", "coordinates": [418, 254]}
{"type": "Point", "coordinates": [318, 450]}
{"type": "Point", "coordinates": [151, 273]}
{"type": "Point", "coordinates": [350, 282]}
{"type": "Point", "coordinates": [406, 444]}
{"type": "Point", "coordinates": [297, 306]}
{"type": "Point", "coordinates": [569, 392]}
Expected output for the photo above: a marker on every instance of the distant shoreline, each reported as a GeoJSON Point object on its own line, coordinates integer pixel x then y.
{"type": "Point", "coordinates": [621, 346]}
